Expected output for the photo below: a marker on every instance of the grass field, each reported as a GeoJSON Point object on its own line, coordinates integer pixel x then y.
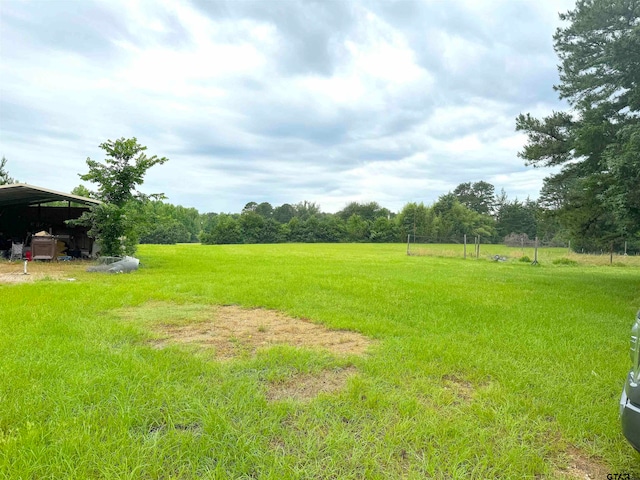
{"type": "Point", "coordinates": [470, 369]}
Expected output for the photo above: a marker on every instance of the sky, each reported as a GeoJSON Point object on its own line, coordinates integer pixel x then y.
{"type": "Point", "coordinates": [280, 101]}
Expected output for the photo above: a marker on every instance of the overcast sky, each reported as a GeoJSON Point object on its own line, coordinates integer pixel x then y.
{"type": "Point", "coordinates": [279, 100]}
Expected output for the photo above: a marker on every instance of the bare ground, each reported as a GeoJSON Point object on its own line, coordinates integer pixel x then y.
{"type": "Point", "coordinates": [463, 389]}
{"type": "Point", "coordinates": [13, 272]}
{"type": "Point", "coordinates": [306, 386]}
{"type": "Point", "coordinates": [584, 467]}
{"type": "Point", "coordinates": [232, 331]}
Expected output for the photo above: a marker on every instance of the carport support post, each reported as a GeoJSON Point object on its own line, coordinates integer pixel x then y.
{"type": "Point", "coordinates": [465, 246]}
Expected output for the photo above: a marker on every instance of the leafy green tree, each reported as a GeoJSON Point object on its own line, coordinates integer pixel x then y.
{"type": "Point", "coordinates": [592, 224]}
{"type": "Point", "coordinates": [456, 220]}
{"type": "Point", "coordinates": [305, 209]}
{"type": "Point", "coordinates": [384, 230]}
{"type": "Point", "coordinates": [413, 219]}
{"type": "Point", "coordinates": [167, 232]}
{"type": "Point", "coordinates": [251, 225]}
{"type": "Point", "coordinates": [550, 231]}
{"type": "Point", "coordinates": [295, 230]}
{"type": "Point", "coordinates": [331, 229]}
{"type": "Point", "coordinates": [517, 217]}
{"type": "Point", "coordinates": [208, 221]}
{"type": "Point", "coordinates": [249, 207]}
{"type": "Point", "coordinates": [623, 195]}
{"type": "Point", "coordinates": [357, 228]}
{"type": "Point", "coordinates": [167, 223]}
{"type": "Point", "coordinates": [500, 199]}
{"type": "Point", "coordinates": [368, 211]}
{"type": "Point", "coordinates": [445, 204]}
{"type": "Point", "coordinates": [116, 223]}
{"type": "Point", "coordinates": [190, 218]}
{"type": "Point", "coordinates": [311, 230]}
{"type": "Point", "coordinates": [4, 174]}
{"type": "Point", "coordinates": [121, 172]}
{"type": "Point", "coordinates": [264, 209]}
{"type": "Point", "coordinates": [597, 141]}
{"type": "Point", "coordinates": [270, 232]}
{"type": "Point", "coordinates": [314, 229]}
{"type": "Point", "coordinates": [555, 191]}
{"type": "Point", "coordinates": [478, 196]}
{"type": "Point", "coordinates": [82, 191]}
{"type": "Point", "coordinates": [284, 213]}
{"type": "Point", "coordinates": [226, 231]}
{"type": "Point", "coordinates": [114, 227]}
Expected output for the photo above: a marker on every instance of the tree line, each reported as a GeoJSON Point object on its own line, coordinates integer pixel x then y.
{"type": "Point", "coordinates": [472, 209]}
{"type": "Point", "coordinates": [593, 202]}
{"type": "Point", "coordinates": [127, 217]}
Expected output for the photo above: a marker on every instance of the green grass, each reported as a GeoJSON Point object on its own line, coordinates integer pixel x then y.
{"type": "Point", "coordinates": [480, 370]}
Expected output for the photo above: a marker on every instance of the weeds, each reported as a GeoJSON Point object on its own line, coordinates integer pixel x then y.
{"type": "Point", "coordinates": [565, 261]}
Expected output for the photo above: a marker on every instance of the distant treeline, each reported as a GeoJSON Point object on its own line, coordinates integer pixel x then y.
{"type": "Point", "coordinates": [472, 209]}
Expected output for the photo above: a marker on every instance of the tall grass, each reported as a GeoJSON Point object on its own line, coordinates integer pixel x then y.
{"type": "Point", "coordinates": [556, 255]}
{"type": "Point", "coordinates": [480, 370]}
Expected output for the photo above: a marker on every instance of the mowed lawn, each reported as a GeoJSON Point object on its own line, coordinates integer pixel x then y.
{"type": "Point", "coordinates": [476, 369]}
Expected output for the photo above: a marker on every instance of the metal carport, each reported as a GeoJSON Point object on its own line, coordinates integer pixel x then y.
{"type": "Point", "coordinates": [28, 209]}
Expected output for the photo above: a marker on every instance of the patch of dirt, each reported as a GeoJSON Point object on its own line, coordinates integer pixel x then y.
{"type": "Point", "coordinates": [306, 386]}
{"type": "Point", "coordinates": [233, 331]}
{"type": "Point", "coordinates": [16, 278]}
{"type": "Point", "coordinates": [13, 272]}
{"type": "Point", "coordinates": [583, 467]}
{"type": "Point", "coordinates": [179, 427]}
{"type": "Point", "coordinates": [461, 387]}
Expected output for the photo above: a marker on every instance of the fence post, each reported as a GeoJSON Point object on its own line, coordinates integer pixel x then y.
{"type": "Point", "coordinates": [478, 248]}
{"type": "Point", "coordinates": [535, 253]}
{"type": "Point", "coordinates": [465, 246]}
{"type": "Point", "coordinates": [625, 248]}
{"type": "Point", "coordinates": [408, 242]}
{"type": "Point", "coordinates": [569, 249]}
{"type": "Point", "coordinates": [611, 253]}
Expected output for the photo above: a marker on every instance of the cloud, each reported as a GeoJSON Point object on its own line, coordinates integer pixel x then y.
{"type": "Point", "coordinates": [279, 101]}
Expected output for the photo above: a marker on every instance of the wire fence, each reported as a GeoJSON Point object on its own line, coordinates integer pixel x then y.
{"type": "Point", "coordinates": [523, 250]}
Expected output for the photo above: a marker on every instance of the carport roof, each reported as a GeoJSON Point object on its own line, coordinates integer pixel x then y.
{"type": "Point", "coordinates": [23, 194]}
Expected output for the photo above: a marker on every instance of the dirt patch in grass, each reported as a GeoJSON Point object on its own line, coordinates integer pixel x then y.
{"type": "Point", "coordinates": [13, 272]}
{"type": "Point", "coordinates": [303, 387]}
{"type": "Point", "coordinates": [461, 387]}
{"type": "Point", "coordinates": [233, 331]}
{"type": "Point", "coordinates": [583, 467]}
